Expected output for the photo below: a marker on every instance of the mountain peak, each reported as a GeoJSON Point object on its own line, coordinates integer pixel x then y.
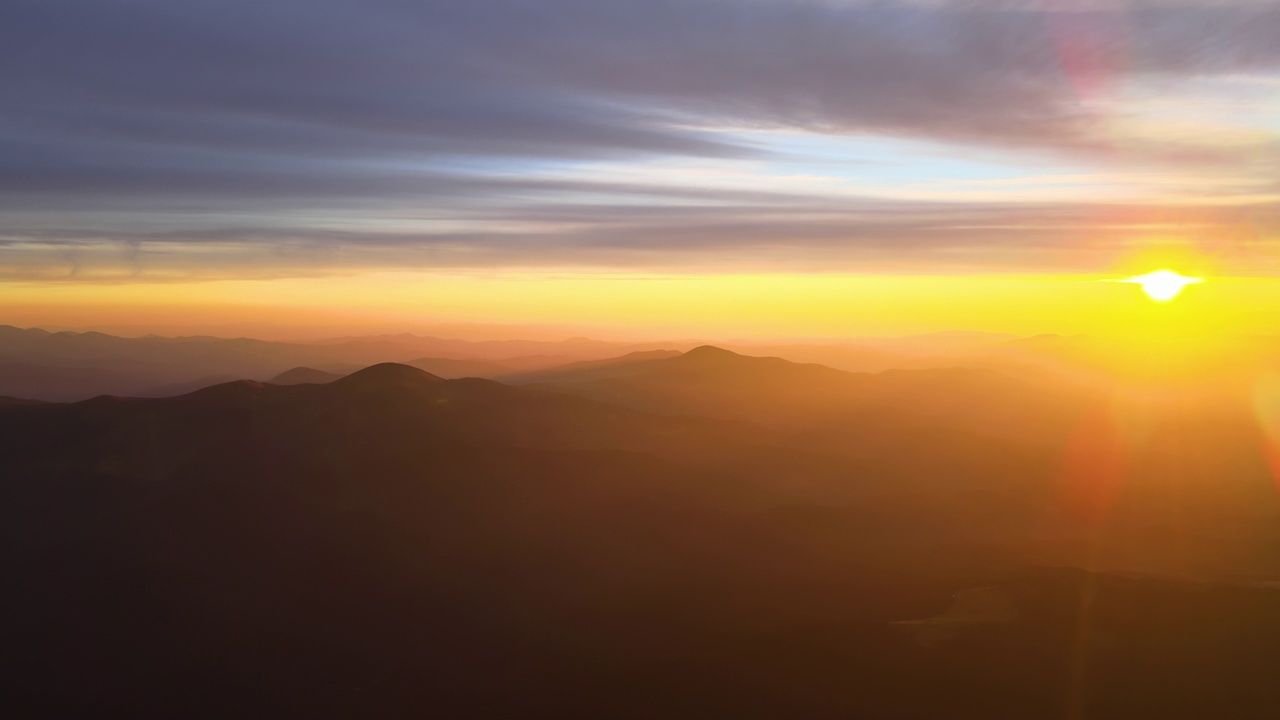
{"type": "Point", "coordinates": [710, 352]}
{"type": "Point", "coordinates": [387, 375]}
{"type": "Point", "coordinates": [236, 391]}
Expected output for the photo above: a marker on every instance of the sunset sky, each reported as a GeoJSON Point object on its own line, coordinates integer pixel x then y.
{"type": "Point", "coordinates": [702, 167]}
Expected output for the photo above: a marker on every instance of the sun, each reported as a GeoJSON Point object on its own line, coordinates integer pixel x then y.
{"type": "Point", "coordinates": [1162, 285]}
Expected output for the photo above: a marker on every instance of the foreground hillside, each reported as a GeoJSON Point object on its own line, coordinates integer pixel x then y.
{"type": "Point", "coordinates": [392, 544]}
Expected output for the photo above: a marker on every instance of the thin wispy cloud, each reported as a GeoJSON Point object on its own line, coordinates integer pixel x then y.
{"type": "Point", "coordinates": [334, 135]}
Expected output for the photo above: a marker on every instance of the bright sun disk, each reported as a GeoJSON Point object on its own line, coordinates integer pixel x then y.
{"type": "Point", "coordinates": [1162, 285]}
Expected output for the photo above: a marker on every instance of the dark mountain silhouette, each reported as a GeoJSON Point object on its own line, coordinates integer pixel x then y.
{"type": "Point", "coordinates": [396, 544]}
{"type": "Point", "coordinates": [68, 366]}
{"type": "Point", "coordinates": [443, 367]}
{"type": "Point", "coordinates": [304, 376]}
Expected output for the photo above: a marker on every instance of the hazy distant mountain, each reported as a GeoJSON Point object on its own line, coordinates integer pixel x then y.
{"type": "Point", "coordinates": [572, 348]}
{"type": "Point", "coordinates": [449, 368]}
{"type": "Point", "coordinates": [934, 350]}
{"type": "Point", "coordinates": [184, 388]}
{"type": "Point", "coordinates": [68, 366]}
{"type": "Point", "coordinates": [714, 382]}
{"type": "Point", "coordinates": [304, 376]}
{"type": "Point", "coordinates": [393, 543]}
{"type": "Point", "coordinates": [19, 401]}
{"type": "Point", "coordinates": [56, 383]}
{"type": "Point", "coordinates": [588, 368]}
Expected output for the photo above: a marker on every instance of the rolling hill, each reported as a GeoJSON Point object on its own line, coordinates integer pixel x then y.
{"type": "Point", "coordinates": [393, 543]}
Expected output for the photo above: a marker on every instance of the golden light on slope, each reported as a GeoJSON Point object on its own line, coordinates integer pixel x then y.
{"type": "Point", "coordinates": [1162, 285]}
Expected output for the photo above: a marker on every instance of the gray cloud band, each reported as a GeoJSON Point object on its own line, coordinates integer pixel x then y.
{"type": "Point", "coordinates": [239, 113]}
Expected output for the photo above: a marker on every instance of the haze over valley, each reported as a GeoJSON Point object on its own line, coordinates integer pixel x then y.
{"type": "Point", "coordinates": [650, 528]}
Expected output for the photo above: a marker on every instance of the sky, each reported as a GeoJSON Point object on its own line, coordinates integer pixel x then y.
{"type": "Point", "coordinates": [770, 167]}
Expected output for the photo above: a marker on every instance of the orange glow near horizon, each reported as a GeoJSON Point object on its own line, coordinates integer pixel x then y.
{"type": "Point", "coordinates": [659, 306]}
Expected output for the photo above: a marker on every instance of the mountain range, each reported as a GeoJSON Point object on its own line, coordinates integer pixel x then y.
{"type": "Point", "coordinates": [71, 366]}
{"type": "Point", "coordinates": [638, 537]}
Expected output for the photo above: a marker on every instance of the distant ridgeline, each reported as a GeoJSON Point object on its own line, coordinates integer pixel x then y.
{"type": "Point", "coordinates": [703, 534]}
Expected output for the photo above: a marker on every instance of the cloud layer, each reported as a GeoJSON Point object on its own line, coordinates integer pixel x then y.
{"type": "Point", "coordinates": [261, 138]}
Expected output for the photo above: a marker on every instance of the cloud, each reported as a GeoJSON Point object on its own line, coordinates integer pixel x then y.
{"type": "Point", "coordinates": [276, 121]}
{"type": "Point", "coordinates": [756, 233]}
